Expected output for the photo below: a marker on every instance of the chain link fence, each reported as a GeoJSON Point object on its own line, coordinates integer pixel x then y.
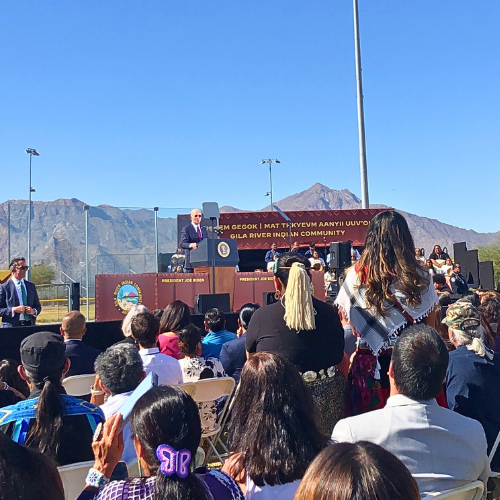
{"type": "Point", "coordinates": [67, 234]}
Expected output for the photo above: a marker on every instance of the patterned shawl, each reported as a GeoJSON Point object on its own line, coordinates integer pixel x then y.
{"type": "Point", "coordinates": [375, 330]}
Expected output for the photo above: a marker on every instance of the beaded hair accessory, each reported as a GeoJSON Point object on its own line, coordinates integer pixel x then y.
{"type": "Point", "coordinates": [295, 264]}
{"type": "Point", "coordinates": [172, 461]}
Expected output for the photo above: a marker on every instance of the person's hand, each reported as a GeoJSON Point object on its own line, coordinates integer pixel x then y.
{"type": "Point", "coordinates": [194, 246]}
{"type": "Point", "coordinates": [108, 447]}
{"type": "Point", "coordinates": [97, 383]}
{"type": "Point", "coordinates": [29, 310]}
{"type": "Point", "coordinates": [19, 309]}
{"type": "Point", "coordinates": [343, 318]}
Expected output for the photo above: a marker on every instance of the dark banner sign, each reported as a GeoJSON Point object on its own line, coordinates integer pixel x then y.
{"type": "Point", "coordinates": [256, 230]}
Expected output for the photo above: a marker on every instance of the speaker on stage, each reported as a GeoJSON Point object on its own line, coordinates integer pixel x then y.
{"type": "Point", "coordinates": [459, 251]}
{"type": "Point", "coordinates": [340, 254]}
{"type": "Point", "coordinates": [470, 267]}
{"type": "Point", "coordinates": [487, 275]}
{"type": "Point", "coordinates": [269, 298]}
{"type": "Point", "coordinates": [74, 297]}
{"type": "Point", "coordinates": [204, 302]}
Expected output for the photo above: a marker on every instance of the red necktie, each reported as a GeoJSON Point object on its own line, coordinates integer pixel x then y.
{"type": "Point", "coordinates": [199, 233]}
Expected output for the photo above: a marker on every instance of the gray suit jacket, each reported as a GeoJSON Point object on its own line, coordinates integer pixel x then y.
{"type": "Point", "coordinates": [427, 438]}
{"type": "Point", "coordinates": [9, 299]}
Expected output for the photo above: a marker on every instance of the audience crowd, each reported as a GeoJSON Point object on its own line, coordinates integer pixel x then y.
{"type": "Point", "coordinates": [389, 389]}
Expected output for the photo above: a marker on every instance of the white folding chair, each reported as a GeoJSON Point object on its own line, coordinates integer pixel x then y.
{"type": "Point", "coordinates": [187, 387]}
{"type": "Point", "coordinates": [471, 491]}
{"type": "Point", "coordinates": [223, 424]}
{"type": "Point", "coordinates": [73, 478]}
{"type": "Point", "coordinates": [492, 454]}
{"type": "Point", "coordinates": [210, 390]}
{"type": "Point", "coordinates": [79, 385]}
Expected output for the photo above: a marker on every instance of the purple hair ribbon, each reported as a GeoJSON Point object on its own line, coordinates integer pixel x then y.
{"type": "Point", "coordinates": [172, 461]}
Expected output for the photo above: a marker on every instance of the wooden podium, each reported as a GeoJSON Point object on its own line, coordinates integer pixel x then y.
{"type": "Point", "coordinates": [224, 279]}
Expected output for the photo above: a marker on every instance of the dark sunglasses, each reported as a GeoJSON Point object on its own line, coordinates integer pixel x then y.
{"type": "Point", "coordinates": [23, 268]}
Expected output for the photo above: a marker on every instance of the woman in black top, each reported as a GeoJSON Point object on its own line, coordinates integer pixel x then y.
{"type": "Point", "coordinates": [305, 330]}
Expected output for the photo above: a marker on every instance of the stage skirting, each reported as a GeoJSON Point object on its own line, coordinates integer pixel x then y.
{"type": "Point", "coordinates": [117, 293]}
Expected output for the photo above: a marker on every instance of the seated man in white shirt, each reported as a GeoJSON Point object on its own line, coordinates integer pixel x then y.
{"type": "Point", "coordinates": [145, 330]}
{"type": "Point", "coordinates": [119, 370]}
{"type": "Point", "coordinates": [428, 439]}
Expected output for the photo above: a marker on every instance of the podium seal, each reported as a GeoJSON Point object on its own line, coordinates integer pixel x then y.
{"type": "Point", "coordinates": [223, 249]}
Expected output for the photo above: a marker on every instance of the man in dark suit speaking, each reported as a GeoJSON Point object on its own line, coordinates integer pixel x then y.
{"type": "Point", "coordinates": [191, 235]}
{"type": "Point", "coordinates": [19, 303]}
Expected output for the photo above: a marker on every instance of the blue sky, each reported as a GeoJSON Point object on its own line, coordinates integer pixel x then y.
{"type": "Point", "coordinates": [172, 103]}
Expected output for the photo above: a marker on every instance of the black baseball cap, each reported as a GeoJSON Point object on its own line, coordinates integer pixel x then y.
{"type": "Point", "coordinates": [43, 353]}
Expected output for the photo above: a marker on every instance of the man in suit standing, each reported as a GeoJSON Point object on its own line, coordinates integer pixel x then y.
{"type": "Point", "coordinates": [445, 447]}
{"type": "Point", "coordinates": [191, 235]}
{"type": "Point", "coordinates": [81, 355]}
{"type": "Point", "coordinates": [19, 303]}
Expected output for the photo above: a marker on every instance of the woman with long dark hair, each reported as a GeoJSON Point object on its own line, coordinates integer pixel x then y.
{"type": "Point", "coordinates": [386, 290]}
{"type": "Point", "coordinates": [26, 474]}
{"type": "Point", "coordinates": [357, 471]}
{"type": "Point", "coordinates": [175, 317]}
{"type": "Point", "coordinates": [166, 431]}
{"type": "Point", "coordinates": [273, 434]}
{"type": "Point", "coordinates": [305, 330]}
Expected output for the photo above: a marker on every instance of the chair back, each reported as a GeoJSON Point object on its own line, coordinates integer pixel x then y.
{"type": "Point", "coordinates": [211, 389]}
{"type": "Point", "coordinates": [188, 387]}
{"type": "Point", "coordinates": [471, 491]}
{"type": "Point", "coordinates": [73, 478]}
{"type": "Point", "coordinates": [79, 385]}
{"type": "Point", "coordinates": [208, 390]}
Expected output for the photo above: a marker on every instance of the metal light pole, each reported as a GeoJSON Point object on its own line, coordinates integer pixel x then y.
{"type": "Point", "coordinates": [270, 162]}
{"type": "Point", "coordinates": [8, 235]}
{"type": "Point", "coordinates": [86, 210]}
{"type": "Point", "coordinates": [31, 152]}
{"type": "Point", "coordinates": [156, 240]}
{"type": "Point", "coordinates": [361, 112]}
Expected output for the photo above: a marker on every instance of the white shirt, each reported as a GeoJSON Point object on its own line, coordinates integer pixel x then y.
{"type": "Point", "coordinates": [278, 492]}
{"type": "Point", "coordinates": [314, 261]}
{"type": "Point", "coordinates": [112, 406]}
{"type": "Point", "coordinates": [167, 368]}
{"type": "Point", "coordinates": [427, 438]}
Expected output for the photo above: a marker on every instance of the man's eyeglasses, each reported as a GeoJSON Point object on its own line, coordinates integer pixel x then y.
{"type": "Point", "coordinates": [196, 215]}
{"type": "Point", "coordinates": [23, 268]}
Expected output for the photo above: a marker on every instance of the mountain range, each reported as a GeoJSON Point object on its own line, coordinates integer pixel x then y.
{"type": "Point", "coordinates": [426, 232]}
{"type": "Point", "coordinates": [122, 240]}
